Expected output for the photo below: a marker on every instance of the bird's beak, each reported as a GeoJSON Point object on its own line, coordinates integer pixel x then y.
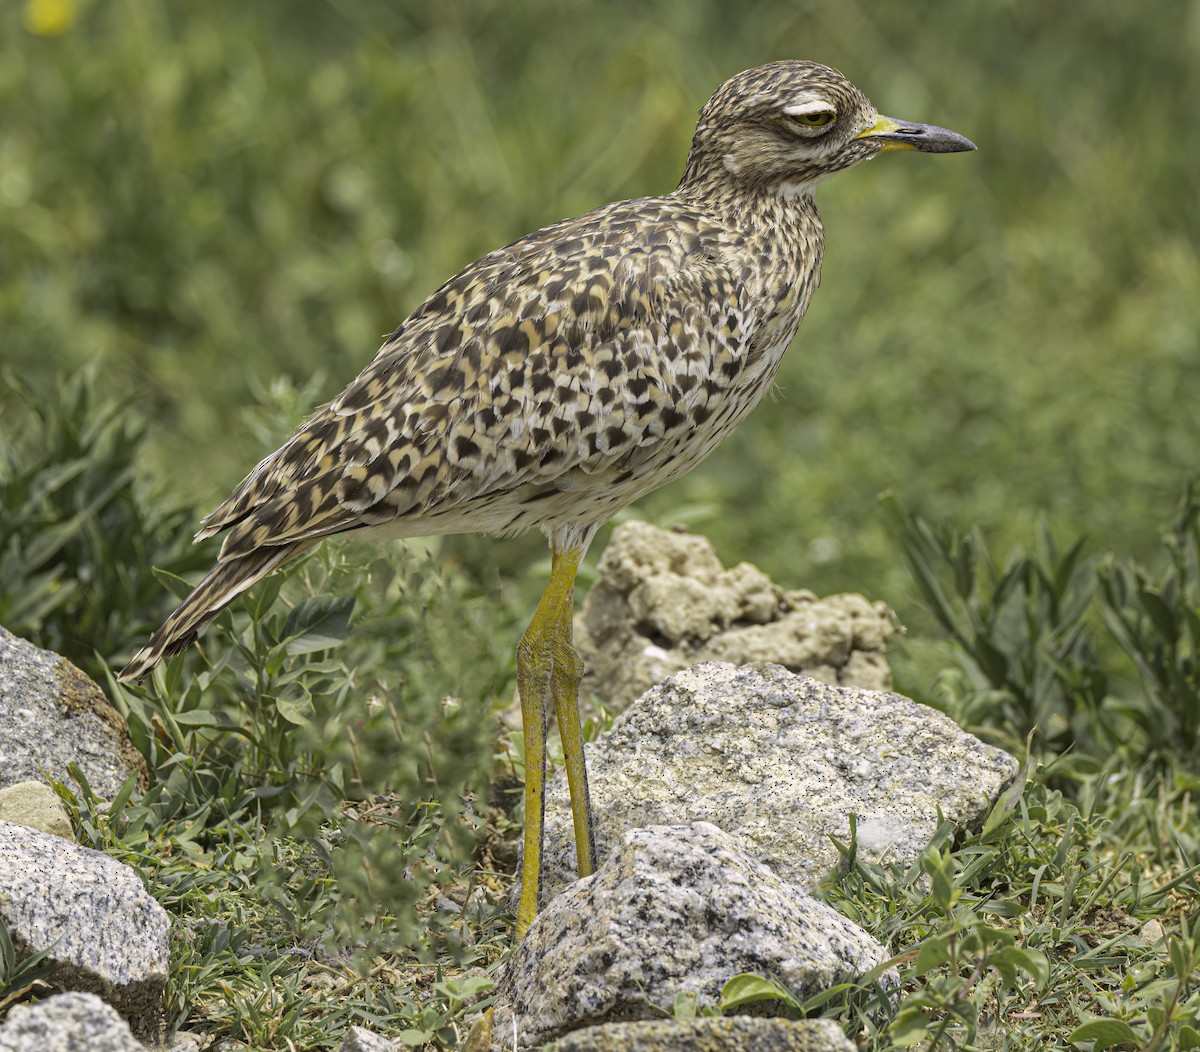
{"type": "Point", "coordinates": [904, 135]}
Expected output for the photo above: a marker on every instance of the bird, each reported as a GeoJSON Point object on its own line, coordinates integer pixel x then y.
{"type": "Point", "coordinates": [556, 380]}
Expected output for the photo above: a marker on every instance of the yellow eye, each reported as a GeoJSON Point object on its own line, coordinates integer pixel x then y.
{"type": "Point", "coordinates": [813, 120]}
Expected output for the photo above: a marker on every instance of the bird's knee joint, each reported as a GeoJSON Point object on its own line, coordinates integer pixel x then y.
{"type": "Point", "coordinates": [567, 662]}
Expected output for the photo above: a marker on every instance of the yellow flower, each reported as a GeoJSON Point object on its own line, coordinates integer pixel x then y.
{"type": "Point", "coordinates": [49, 18]}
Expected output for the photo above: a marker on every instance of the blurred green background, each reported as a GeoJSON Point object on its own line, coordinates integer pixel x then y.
{"type": "Point", "coordinates": [223, 207]}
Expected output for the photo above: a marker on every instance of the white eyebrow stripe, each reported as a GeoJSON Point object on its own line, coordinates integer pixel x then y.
{"type": "Point", "coordinates": [803, 105]}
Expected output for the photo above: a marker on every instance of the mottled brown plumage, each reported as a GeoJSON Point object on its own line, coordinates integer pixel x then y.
{"type": "Point", "coordinates": [558, 379]}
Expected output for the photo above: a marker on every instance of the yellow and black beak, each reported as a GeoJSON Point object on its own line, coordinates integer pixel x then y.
{"type": "Point", "coordinates": [904, 135]}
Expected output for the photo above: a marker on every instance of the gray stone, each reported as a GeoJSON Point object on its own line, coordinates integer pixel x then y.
{"type": "Point", "coordinates": [663, 602]}
{"type": "Point", "coordinates": [673, 909]}
{"type": "Point", "coordinates": [36, 806]}
{"type": "Point", "coordinates": [783, 761]}
{"type": "Point", "coordinates": [71, 1022]}
{"type": "Point", "coordinates": [733, 1034]}
{"type": "Point", "coordinates": [360, 1039]}
{"type": "Point", "coordinates": [51, 714]}
{"type": "Point", "coordinates": [111, 935]}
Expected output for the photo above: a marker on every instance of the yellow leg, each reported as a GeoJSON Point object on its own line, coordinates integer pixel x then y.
{"type": "Point", "coordinates": [564, 685]}
{"type": "Point", "coordinates": [548, 665]}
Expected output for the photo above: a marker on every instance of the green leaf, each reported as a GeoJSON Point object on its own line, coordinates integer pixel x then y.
{"type": "Point", "coordinates": [686, 1004]}
{"type": "Point", "coordinates": [1189, 1037]}
{"type": "Point", "coordinates": [1106, 1033]}
{"type": "Point", "coordinates": [296, 706]}
{"type": "Point", "coordinates": [1007, 960]}
{"type": "Point", "coordinates": [911, 1025]}
{"type": "Point", "coordinates": [123, 795]}
{"type": "Point", "coordinates": [205, 718]}
{"type": "Point", "coordinates": [80, 779]}
{"type": "Point", "coordinates": [943, 886]}
{"type": "Point", "coordinates": [467, 989]}
{"type": "Point", "coordinates": [266, 594]}
{"type": "Point", "coordinates": [1183, 956]}
{"type": "Point", "coordinates": [8, 955]}
{"type": "Point", "coordinates": [317, 624]}
{"type": "Point", "coordinates": [1002, 810]}
{"type": "Point", "coordinates": [991, 661]}
{"type": "Point", "coordinates": [1160, 614]}
{"type": "Point", "coordinates": [934, 951]}
{"type": "Point", "coordinates": [747, 988]}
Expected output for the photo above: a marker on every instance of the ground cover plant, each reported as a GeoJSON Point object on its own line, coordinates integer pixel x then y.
{"type": "Point", "coordinates": [209, 215]}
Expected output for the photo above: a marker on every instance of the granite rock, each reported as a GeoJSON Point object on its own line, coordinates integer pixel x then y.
{"type": "Point", "coordinates": [51, 714]}
{"type": "Point", "coordinates": [111, 935]}
{"type": "Point", "coordinates": [70, 1022]}
{"type": "Point", "coordinates": [782, 761]}
{"type": "Point", "coordinates": [730, 1034]}
{"type": "Point", "coordinates": [672, 909]}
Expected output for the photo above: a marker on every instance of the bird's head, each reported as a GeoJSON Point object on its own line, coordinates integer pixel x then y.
{"type": "Point", "coordinates": [783, 127]}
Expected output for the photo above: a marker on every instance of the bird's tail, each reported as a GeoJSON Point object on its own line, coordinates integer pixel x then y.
{"type": "Point", "coordinates": [223, 583]}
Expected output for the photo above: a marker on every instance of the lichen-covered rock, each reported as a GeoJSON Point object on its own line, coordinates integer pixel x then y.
{"type": "Point", "coordinates": [111, 935]}
{"type": "Point", "coordinates": [731, 1034]}
{"type": "Point", "coordinates": [36, 806]}
{"type": "Point", "coordinates": [70, 1022]}
{"type": "Point", "coordinates": [782, 761]}
{"type": "Point", "coordinates": [663, 602]}
{"type": "Point", "coordinates": [51, 714]}
{"type": "Point", "coordinates": [672, 909]}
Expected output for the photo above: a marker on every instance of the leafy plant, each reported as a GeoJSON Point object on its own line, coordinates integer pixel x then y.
{"type": "Point", "coordinates": [19, 978]}
{"type": "Point", "coordinates": [1156, 621]}
{"type": "Point", "coordinates": [1039, 638]}
{"type": "Point", "coordinates": [76, 532]}
{"type": "Point", "coordinates": [333, 747]}
{"type": "Point", "coordinates": [1021, 629]}
{"type": "Point", "coordinates": [1156, 1009]}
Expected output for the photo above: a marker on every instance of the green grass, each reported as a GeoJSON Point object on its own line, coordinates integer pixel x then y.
{"type": "Point", "coordinates": [210, 214]}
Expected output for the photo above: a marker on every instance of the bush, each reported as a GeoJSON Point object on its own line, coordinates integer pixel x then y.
{"type": "Point", "coordinates": [1039, 640]}
{"type": "Point", "coordinates": [77, 535]}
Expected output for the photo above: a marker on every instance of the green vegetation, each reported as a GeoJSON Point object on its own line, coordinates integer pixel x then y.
{"type": "Point", "coordinates": [210, 213]}
{"type": "Point", "coordinates": [1031, 933]}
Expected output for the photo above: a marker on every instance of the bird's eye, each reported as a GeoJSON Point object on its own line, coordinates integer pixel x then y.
{"type": "Point", "coordinates": [813, 120]}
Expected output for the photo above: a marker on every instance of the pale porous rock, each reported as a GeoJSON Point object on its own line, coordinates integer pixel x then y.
{"type": "Point", "coordinates": [782, 761]}
{"type": "Point", "coordinates": [663, 602]}
{"type": "Point", "coordinates": [733, 1034]}
{"type": "Point", "coordinates": [36, 806]}
{"type": "Point", "coordinates": [111, 935]}
{"type": "Point", "coordinates": [71, 1022]}
{"type": "Point", "coordinates": [51, 714]}
{"type": "Point", "coordinates": [672, 909]}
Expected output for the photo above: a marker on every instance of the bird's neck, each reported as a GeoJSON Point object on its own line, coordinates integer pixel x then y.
{"type": "Point", "coordinates": [774, 234]}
